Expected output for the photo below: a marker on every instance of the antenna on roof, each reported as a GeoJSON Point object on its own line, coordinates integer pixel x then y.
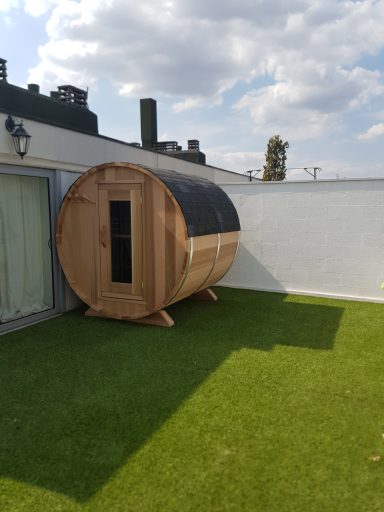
{"type": "Point", "coordinates": [252, 173]}
{"type": "Point", "coordinates": [306, 169]}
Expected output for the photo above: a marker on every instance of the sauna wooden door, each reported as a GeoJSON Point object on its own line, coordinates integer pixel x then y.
{"type": "Point", "coordinates": [121, 241]}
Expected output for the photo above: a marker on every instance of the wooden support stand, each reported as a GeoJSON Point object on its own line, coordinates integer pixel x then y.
{"type": "Point", "coordinates": [160, 318]}
{"type": "Point", "coordinates": [206, 295]}
{"type": "Point", "coordinates": [93, 312]}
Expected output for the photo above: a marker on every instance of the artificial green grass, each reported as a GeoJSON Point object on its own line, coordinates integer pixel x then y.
{"type": "Point", "coordinates": [259, 402]}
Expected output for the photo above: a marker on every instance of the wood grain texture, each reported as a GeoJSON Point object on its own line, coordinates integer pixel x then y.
{"type": "Point", "coordinates": [166, 265]}
{"type": "Point", "coordinates": [229, 243]}
{"type": "Point", "coordinates": [204, 249]}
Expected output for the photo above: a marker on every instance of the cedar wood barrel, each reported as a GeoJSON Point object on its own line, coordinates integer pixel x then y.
{"type": "Point", "coordinates": [132, 240]}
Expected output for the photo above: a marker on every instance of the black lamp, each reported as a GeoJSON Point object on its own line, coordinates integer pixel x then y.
{"type": "Point", "coordinates": [20, 136]}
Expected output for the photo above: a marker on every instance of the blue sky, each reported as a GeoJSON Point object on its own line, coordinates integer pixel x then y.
{"type": "Point", "coordinates": [230, 73]}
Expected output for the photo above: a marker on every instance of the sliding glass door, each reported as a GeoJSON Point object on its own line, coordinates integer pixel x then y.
{"type": "Point", "coordinates": [26, 259]}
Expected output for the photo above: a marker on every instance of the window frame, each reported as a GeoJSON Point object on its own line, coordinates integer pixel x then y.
{"type": "Point", "coordinates": [108, 289]}
{"type": "Point", "coordinates": [53, 206]}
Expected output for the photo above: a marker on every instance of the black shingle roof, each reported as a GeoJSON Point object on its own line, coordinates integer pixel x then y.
{"type": "Point", "coordinates": [206, 207]}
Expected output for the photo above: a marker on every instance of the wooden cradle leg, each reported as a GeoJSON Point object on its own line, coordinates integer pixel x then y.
{"type": "Point", "coordinates": [206, 295]}
{"type": "Point", "coordinates": [160, 318]}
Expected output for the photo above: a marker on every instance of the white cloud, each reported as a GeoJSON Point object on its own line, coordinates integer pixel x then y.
{"type": "Point", "coordinates": [309, 51]}
{"type": "Point", "coordinates": [38, 7]}
{"type": "Point", "coordinates": [7, 5]}
{"type": "Point", "coordinates": [377, 130]}
{"type": "Point", "coordinates": [59, 71]}
{"type": "Point", "coordinates": [238, 161]}
{"type": "Point", "coordinates": [267, 13]}
{"type": "Point", "coordinates": [127, 89]}
{"type": "Point", "coordinates": [188, 103]}
{"type": "Point", "coordinates": [305, 106]}
{"type": "Point", "coordinates": [31, 7]}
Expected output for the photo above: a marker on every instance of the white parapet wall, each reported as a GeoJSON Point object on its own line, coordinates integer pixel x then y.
{"type": "Point", "coordinates": [315, 237]}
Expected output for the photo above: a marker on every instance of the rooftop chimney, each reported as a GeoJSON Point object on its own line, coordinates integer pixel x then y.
{"type": "Point", "coordinates": [34, 88]}
{"type": "Point", "coordinates": [148, 115]}
{"type": "Point", "coordinates": [193, 144]}
{"type": "Point", "coordinates": [3, 70]}
{"type": "Point", "coordinates": [74, 95]}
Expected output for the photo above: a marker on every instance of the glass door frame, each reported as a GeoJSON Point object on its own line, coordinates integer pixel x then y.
{"type": "Point", "coordinates": [49, 174]}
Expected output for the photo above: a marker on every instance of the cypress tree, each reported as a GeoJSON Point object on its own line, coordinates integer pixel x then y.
{"type": "Point", "coordinates": [275, 158]}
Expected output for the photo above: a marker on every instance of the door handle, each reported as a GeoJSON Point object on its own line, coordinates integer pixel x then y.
{"type": "Point", "coordinates": [103, 236]}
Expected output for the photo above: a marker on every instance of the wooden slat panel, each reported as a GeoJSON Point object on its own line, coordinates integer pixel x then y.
{"type": "Point", "coordinates": [73, 239]}
{"type": "Point", "coordinates": [170, 245]}
{"type": "Point", "coordinates": [158, 257]}
{"type": "Point", "coordinates": [227, 253]}
{"type": "Point", "coordinates": [203, 257]}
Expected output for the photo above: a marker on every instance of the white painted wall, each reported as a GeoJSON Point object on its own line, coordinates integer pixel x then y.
{"type": "Point", "coordinates": [58, 148]}
{"type": "Point", "coordinates": [314, 237]}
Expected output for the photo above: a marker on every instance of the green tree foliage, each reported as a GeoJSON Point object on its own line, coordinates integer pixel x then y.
{"type": "Point", "coordinates": [275, 158]}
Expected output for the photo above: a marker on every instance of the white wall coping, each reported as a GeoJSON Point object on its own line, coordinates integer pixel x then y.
{"type": "Point", "coordinates": [290, 182]}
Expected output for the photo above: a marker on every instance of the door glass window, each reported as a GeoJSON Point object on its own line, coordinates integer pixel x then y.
{"type": "Point", "coordinates": [121, 243]}
{"type": "Point", "coordinates": [26, 285]}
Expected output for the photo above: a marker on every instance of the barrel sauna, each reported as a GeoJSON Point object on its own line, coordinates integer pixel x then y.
{"type": "Point", "coordinates": [132, 240]}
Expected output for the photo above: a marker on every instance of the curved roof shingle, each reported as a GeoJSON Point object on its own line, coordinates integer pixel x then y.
{"type": "Point", "coordinates": [206, 207]}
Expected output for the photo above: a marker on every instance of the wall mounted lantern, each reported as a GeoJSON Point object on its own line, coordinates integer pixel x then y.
{"type": "Point", "coordinates": [20, 136]}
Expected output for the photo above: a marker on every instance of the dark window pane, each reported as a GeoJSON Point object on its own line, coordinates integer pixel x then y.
{"type": "Point", "coordinates": [121, 244]}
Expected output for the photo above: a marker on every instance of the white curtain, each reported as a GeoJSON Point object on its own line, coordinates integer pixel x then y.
{"type": "Point", "coordinates": [25, 256]}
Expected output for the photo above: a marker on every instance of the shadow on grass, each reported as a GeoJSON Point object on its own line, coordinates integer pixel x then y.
{"type": "Point", "coordinates": [80, 395]}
